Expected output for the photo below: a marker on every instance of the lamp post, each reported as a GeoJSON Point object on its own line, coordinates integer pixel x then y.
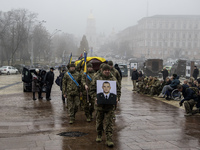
{"type": "Point", "coordinates": [50, 40]}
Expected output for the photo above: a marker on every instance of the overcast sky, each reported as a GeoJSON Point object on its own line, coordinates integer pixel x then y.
{"type": "Point", "coordinates": [70, 16]}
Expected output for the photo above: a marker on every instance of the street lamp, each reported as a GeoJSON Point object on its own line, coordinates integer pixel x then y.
{"type": "Point", "coordinates": [50, 39]}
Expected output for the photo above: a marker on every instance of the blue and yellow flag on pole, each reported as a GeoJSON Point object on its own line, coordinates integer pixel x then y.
{"type": "Point", "coordinates": [85, 62]}
{"type": "Point", "coordinates": [70, 59]}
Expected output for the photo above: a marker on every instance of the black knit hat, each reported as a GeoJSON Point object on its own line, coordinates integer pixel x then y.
{"type": "Point", "coordinates": [106, 67]}
{"type": "Point", "coordinates": [174, 75]}
{"type": "Point", "coordinates": [72, 65]}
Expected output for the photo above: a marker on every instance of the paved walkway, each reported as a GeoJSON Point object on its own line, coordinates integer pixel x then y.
{"type": "Point", "coordinates": [142, 122]}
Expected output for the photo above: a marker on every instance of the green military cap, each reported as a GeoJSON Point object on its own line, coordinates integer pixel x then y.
{"type": "Point", "coordinates": [89, 65]}
{"type": "Point", "coordinates": [106, 67]}
{"type": "Point", "coordinates": [110, 63]}
{"type": "Point", "coordinates": [101, 66]}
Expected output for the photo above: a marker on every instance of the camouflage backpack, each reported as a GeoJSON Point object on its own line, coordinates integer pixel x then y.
{"type": "Point", "coordinates": [196, 90]}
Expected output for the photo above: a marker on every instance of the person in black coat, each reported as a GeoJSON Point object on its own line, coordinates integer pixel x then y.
{"type": "Point", "coordinates": [61, 77]}
{"type": "Point", "coordinates": [165, 73]}
{"type": "Point", "coordinates": [195, 72]}
{"type": "Point", "coordinates": [118, 69]}
{"type": "Point", "coordinates": [190, 100]}
{"type": "Point", "coordinates": [140, 74]}
{"type": "Point", "coordinates": [134, 78]}
{"type": "Point", "coordinates": [48, 80]}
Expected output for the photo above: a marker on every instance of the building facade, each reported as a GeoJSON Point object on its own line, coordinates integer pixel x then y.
{"type": "Point", "coordinates": [164, 36]}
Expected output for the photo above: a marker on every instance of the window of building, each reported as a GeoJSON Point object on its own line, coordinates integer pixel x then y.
{"type": "Point", "coordinates": [177, 44]}
{"type": "Point", "coordinates": [183, 52]}
{"type": "Point", "coordinates": [189, 53]}
{"type": "Point", "coordinates": [195, 44]}
{"type": "Point", "coordinates": [166, 44]}
{"type": "Point", "coordinates": [172, 35]}
{"type": "Point", "coordinates": [189, 44]}
{"type": "Point", "coordinates": [160, 44]}
{"type": "Point", "coordinates": [183, 35]}
{"type": "Point", "coordinates": [149, 35]}
{"type": "Point", "coordinates": [166, 25]}
{"type": "Point", "coordinates": [177, 35]}
{"type": "Point", "coordinates": [196, 36]}
{"type": "Point", "coordinates": [189, 36]}
{"type": "Point", "coordinates": [183, 44]}
{"type": "Point", "coordinates": [184, 25]}
{"type": "Point", "coordinates": [172, 25]}
{"type": "Point", "coordinates": [160, 25]}
{"type": "Point", "coordinates": [195, 53]}
{"type": "Point", "coordinates": [171, 44]}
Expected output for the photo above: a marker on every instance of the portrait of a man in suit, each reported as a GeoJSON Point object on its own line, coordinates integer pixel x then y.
{"type": "Point", "coordinates": [106, 97]}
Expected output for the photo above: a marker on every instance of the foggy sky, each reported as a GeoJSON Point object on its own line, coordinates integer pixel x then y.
{"type": "Point", "coordinates": [70, 15]}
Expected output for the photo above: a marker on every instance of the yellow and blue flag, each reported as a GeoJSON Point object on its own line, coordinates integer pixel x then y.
{"type": "Point", "coordinates": [85, 62]}
{"type": "Point", "coordinates": [70, 59]}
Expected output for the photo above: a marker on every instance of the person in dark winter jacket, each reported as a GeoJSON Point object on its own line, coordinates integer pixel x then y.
{"type": "Point", "coordinates": [195, 72]}
{"type": "Point", "coordinates": [48, 80]}
{"type": "Point", "coordinates": [190, 99]}
{"type": "Point", "coordinates": [165, 73]}
{"type": "Point", "coordinates": [118, 69]}
{"type": "Point", "coordinates": [61, 77]}
{"type": "Point", "coordinates": [175, 82]}
{"type": "Point", "coordinates": [140, 74]}
{"type": "Point", "coordinates": [134, 78]}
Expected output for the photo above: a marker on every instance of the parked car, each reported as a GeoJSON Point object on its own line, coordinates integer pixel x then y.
{"type": "Point", "coordinates": [27, 78]}
{"type": "Point", "coordinates": [124, 70]}
{"type": "Point", "coordinates": [9, 70]}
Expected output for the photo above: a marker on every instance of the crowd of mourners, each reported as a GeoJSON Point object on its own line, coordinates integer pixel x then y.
{"type": "Point", "coordinates": [170, 88]}
{"type": "Point", "coordinates": [79, 89]}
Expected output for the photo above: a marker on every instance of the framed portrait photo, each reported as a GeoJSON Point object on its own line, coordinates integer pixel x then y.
{"type": "Point", "coordinates": [106, 92]}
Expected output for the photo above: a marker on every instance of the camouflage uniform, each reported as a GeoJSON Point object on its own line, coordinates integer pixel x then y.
{"type": "Point", "coordinates": [116, 75]}
{"type": "Point", "coordinates": [154, 88]}
{"type": "Point", "coordinates": [88, 106]}
{"type": "Point", "coordinates": [140, 84]}
{"type": "Point", "coordinates": [104, 111]}
{"type": "Point", "coordinates": [72, 91]}
{"type": "Point", "coordinates": [149, 85]}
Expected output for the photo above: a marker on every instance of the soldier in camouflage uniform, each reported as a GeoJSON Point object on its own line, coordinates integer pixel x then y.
{"type": "Point", "coordinates": [87, 101]}
{"type": "Point", "coordinates": [149, 85]}
{"type": "Point", "coordinates": [155, 86]}
{"type": "Point", "coordinates": [115, 72]}
{"type": "Point", "coordinates": [71, 91]}
{"type": "Point", "coordinates": [140, 84]}
{"type": "Point", "coordinates": [104, 111]}
{"type": "Point", "coordinates": [143, 86]}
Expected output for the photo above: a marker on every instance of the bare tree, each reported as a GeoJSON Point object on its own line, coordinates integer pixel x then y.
{"type": "Point", "coordinates": [16, 26]}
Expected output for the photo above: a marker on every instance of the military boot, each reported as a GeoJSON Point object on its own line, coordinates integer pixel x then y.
{"type": "Point", "coordinates": [109, 143]}
{"type": "Point", "coordinates": [99, 137]}
{"type": "Point", "coordinates": [71, 121]}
